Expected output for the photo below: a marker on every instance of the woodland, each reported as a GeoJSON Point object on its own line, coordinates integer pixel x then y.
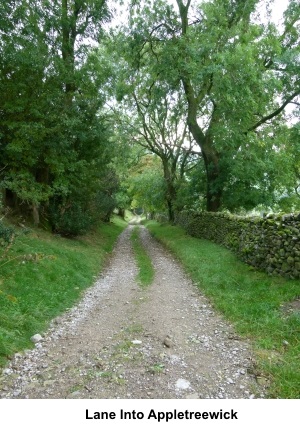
{"type": "Point", "coordinates": [156, 106]}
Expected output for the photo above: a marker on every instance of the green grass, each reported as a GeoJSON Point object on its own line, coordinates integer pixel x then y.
{"type": "Point", "coordinates": [251, 300]}
{"type": "Point", "coordinates": [146, 271]}
{"type": "Point", "coordinates": [42, 275]}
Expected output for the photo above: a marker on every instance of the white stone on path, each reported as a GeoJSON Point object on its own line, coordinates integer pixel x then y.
{"type": "Point", "coordinates": [36, 338]}
{"type": "Point", "coordinates": [182, 384]}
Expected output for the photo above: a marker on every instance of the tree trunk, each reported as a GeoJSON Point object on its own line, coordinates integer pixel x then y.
{"type": "Point", "coordinates": [205, 141]}
{"type": "Point", "coordinates": [121, 213]}
{"type": "Point", "coordinates": [68, 51]}
{"type": "Point", "coordinates": [171, 193]}
{"type": "Point", "coordinates": [171, 214]}
{"type": "Point", "coordinates": [213, 188]}
{"type": "Point", "coordinates": [35, 214]}
{"type": "Point", "coordinates": [210, 155]}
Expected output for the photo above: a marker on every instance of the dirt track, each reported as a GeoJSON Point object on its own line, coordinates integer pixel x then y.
{"type": "Point", "coordinates": [122, 341]}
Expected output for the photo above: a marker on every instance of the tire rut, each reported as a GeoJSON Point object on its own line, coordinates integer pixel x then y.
{"type": "Point", "coordinates": [122, 341]}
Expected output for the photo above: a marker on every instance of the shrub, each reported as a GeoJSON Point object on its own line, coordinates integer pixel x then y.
{"type": "Point", "coordinates": [70, 221]}
{"type": "Point", "coordinates": [6, 234]}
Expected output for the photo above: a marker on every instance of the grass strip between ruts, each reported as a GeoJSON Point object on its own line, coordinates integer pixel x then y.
{"type": "Point", "coordinates": [145, 268]}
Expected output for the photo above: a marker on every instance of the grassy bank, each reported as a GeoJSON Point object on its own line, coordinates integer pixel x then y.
{"type": "Point", "coordinates": [146, 271]}
{"type": "Point", "coordinates": [261, 307]}
{"type": "Point", "coordinates": [42, 275]}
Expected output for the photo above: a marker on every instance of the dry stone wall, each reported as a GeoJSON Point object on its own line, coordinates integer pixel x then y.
{"type": "Point", "coordinates": [271, 243]}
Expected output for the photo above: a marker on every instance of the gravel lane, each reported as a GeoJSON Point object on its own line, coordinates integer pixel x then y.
{"type": "Point", "coordinates": [122, 341]}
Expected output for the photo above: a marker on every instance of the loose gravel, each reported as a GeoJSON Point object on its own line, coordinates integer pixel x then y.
{"type": "Point", "coordinates": [122, 341]}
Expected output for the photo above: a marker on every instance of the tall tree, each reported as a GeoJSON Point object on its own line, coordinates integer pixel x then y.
{"type": "Point", "coordinates": [155, 123]}
{"type": "Point", "coordinates": [152, 115]}
{"type": "Point", "coordinates": [53, 134]}
{"type": "Point", "coordinates": [238, 75]}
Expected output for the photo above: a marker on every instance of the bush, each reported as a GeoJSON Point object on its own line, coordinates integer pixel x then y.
{"type": "Point", "coordinates": [6, 234]}
{"type": "Point", "coordinates": [71, 221]}
{"type": "Point", "coordinates": [104, 205]}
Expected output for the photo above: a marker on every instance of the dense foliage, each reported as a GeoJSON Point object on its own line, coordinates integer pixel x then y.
{"type": "Point", "coordinates": [208, 92]}
{"type": "Point", "coordinates": [54, 136]}
{"type": "Point", "coordinates": [236, 75]}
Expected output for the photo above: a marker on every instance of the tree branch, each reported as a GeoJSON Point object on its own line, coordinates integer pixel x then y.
{"type": "Point", "coordinates": [275, 113]}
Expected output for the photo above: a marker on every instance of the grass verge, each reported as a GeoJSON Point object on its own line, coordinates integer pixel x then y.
{"type": "Point", "coordinates": [253, 301]}
{"type": "Point", "coordinates": [146, 271]}
{"type": "Point", "coordinates": [42, 275]}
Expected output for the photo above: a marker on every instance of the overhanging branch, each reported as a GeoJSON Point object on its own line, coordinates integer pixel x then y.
{"type": "Point", "coordinates": [275, 113]}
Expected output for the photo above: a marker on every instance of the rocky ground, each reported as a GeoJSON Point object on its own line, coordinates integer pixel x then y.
{"type": "Point", "coordinates": [122, 341]}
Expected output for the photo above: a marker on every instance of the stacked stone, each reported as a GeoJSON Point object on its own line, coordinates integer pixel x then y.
{"type": "Point", "coordinates": [271, 243]}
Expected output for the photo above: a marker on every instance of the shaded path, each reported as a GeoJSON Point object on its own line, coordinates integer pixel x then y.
{"type": "Point", "coordinates": [122, 341]}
